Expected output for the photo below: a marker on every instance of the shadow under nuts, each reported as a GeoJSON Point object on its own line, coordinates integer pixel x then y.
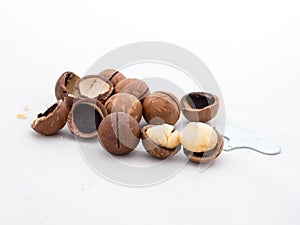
{"type": "Point", "coordinates": [94, 87]}
{"type": "Point", "coordinates": [123, 102]}
{"type": "Point", "coordinates": [52, 120]}
{"type": "Point", "coordinates": [161, 141]}
{"type": "Point", "coordinates": [199, 106]}
{"type": "Point", "coordinates": [161, 107]}
{"type": "Point", "coordinates": [119, 133]}
{"type": "Point", "coordinates": [201, 143]}
{"type": "Point", "coordinates": [85, 117]}
{"type": "Point", "coordinates": [135, 87]}
{"type": "Point", "coordinates": [112, 75]}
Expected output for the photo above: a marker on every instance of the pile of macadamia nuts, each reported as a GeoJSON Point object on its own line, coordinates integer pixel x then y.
{"type": "Point", "coordinates": [111, 106]}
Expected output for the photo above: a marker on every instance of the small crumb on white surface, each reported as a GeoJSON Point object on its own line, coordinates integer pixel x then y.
{"type": "Point", "coordinates": [26, 108]}
{"type": "Point", "coordinates": [60, 136]}
{"type": "Point", "coordinates": [22, 116]}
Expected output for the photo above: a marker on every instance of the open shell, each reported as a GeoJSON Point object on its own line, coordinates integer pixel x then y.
{"type": "Point", "coordinates": [199, 106]}
{"type": "Point", "coordinates": [208, 156]}
{"type": "Point", "coordinates": [65, 87]}
{"type": "Point", "coordinates": [85, 117]}
{"type": "Point", "coordinates": [52, 120]}
{"type": "Point", "coordinates": [94, 87]}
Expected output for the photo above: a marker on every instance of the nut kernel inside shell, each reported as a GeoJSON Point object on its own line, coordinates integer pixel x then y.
{"type": "Point", "coordinates": [198, 137]}
{"type": "Point", "coordinates": [92, 87]}
{"type": "Point", "coordinates": [208, 156]}
{"type": "Point", "coordinates": [164, 135]}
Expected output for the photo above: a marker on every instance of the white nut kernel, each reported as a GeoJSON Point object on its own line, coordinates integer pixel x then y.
{"type": "Point", "coordinates": [164, 135]}
{"type": "Point", "coordinates": [92, 87]}
{"type": "Point", "coordinates": [198, 137]}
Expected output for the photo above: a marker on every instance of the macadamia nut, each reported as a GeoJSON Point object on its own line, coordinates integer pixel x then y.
{"type": "Point", "coordinates": [164, 135]}
{"type": "Point", "coordinates": [94, 87]}
{"type": "Point", "coordinates": [198, 137]}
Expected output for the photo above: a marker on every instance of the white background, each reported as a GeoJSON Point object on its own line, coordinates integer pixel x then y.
{"type": "Point", "coordinates": [251, 47]}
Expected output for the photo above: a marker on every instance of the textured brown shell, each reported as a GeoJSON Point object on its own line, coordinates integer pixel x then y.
{"type": "Point", "coordinates": [119, 133]}
{"type": "Point", "coordinates": [61, 91]}
{"type": "Point", "coordinates": [200, 115]}
{"type": "Point", "coordinates": [161, 107]}
{"type": "Point", "coordinates": [112, 75]}
{"type": "Point", "coordinates": [52, 120]}
{"type": "Point", "coordinates": [206, 158]}
{"type": "Point", "coordinates": [123, 102]}
{"type": "Point", "coordinates": [154, 149]}
{"type": "Point", "coordinates": [72, 126]}
{"type": "Point", "coordinates": [101, 97]}
{"type": "Point", "coordinates": [69, 100]}
{"type": "Point", "coordinates": [135, 87]}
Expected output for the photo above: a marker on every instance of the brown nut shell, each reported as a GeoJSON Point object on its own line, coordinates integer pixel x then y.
{"type": "Point", "coordinates": [94, 87]}
{"type": "Point", "coordinates": [199, 106]}
{"type": "Point", "coordinates": [208, 156]}
{"type": "Point", "coordinates": [135, 87]}
{"type": "Point", "coordinates": [65, 87]}
{"type": "Point", "coordinates": [119, 133]}
{"type": "Point", "coordinates": [161, 107]}
{"type": "Point", "coordinates": [155, 150]}
{"type": "Point", "coordinates": [123, 102]}
{"type": "Point", "coordinates": [70, 100]}
{"type": "Point", "coordinates": [52, 120]}
{"type": "Point", "coordinates": [112, 75]}
{"type": "Point", "coordinates": [85, 117]}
